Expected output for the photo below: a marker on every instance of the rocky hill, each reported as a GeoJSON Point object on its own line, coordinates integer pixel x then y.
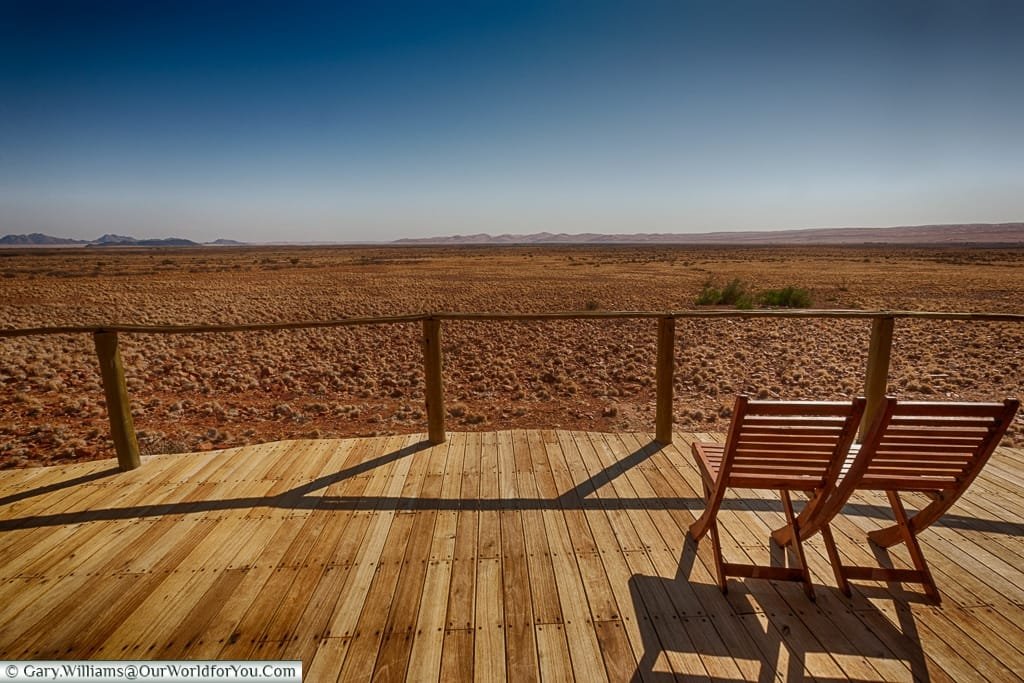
{"type": "Point", "coordinates": [37, 239]}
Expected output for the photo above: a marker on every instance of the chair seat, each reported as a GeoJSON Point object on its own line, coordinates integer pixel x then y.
{"type": "Point", "coordinates": [709, 460]}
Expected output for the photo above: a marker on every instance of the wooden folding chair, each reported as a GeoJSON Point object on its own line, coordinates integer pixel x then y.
{"type": "Point", "coordinates": [934, 448]}
{"type": "Point", "coordinates": [783, 445]}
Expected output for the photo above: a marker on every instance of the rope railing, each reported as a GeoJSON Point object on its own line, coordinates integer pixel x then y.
{"type": "Point", "coordinates": [119, 407]}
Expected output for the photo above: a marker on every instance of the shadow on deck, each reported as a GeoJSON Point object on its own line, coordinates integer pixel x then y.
{"type": "Point", "coordinates": [525, 554]}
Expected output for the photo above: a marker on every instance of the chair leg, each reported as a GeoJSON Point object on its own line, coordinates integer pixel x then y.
{"type": "Point", "coordinates": [707, 518]}
{"type": "Point", "coordinates": [716, 547]}
{"type": "Point", "coordinates": [798, 545]}
{"type": "Point", "coordinates": [709, 523]}
{"type": "Point", "coordinates": [910, 539]}
{"type": "Point", "coordinates": [833, 558]}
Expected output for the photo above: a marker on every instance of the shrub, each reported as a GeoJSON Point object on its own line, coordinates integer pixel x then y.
{"type": "Point", "coordinates": [709, 295]}
{"type": "Point", "coordinates": [736, 293]}
{"type": "Point", "coordinates": [787, 297]}
{"type": "Point", "coordinates": [733, 294]}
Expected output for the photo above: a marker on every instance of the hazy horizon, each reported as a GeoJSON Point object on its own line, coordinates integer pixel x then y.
{"type": "Point", "coordinates": [317, 122]}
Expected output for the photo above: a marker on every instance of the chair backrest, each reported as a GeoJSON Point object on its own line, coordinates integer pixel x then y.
{"type": "Point", "coordinates": [933, 447]}
{"type": "Point", "coordinates": [789, 444]}
{"type": "Point", "coordinates": [929, 446]}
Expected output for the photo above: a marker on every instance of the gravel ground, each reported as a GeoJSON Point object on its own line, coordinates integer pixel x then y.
{"type": "Point", "coordinates": [196, 392]}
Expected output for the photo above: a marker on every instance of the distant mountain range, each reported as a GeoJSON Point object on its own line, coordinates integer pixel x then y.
{"type": "Point", "coordinates": [954, 234]}
{"type": "Point", "coordinates": [972, 233]}
{"type": "Point", "coordinates": [37, 239]}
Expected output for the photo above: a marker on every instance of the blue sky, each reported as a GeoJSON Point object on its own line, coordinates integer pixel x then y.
{"type": "Point", "coordinates": [349, 121]}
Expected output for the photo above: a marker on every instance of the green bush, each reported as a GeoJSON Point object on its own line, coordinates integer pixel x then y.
{"type": "Point", "coordinates": [787, 297]}
{"type": "Point", "coordinates": [709, 295]}
{"type": "Point", "coordinates": [733, 294]}
{"type": "Point", "coordinates": [736, 293]}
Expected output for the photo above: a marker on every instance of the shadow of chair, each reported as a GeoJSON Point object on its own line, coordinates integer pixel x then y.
{"type": "Point", "coordinates": [743, 632]}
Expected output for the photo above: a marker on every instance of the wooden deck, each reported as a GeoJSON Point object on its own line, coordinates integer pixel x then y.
{"type": "Point", "coordinates": [521, 555]}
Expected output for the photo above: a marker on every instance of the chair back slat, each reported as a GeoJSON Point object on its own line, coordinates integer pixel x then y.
{"type": "Point", "coordinates": [957, 411]}
{"type": "Point", "coordinates": [780, 443]}
{"type": "Point", "coordinates": [797, 420]}
{"type": "Point", "coordinates": [942, 423]}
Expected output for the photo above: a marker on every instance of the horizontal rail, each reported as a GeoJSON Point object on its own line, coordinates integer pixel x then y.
{"type": "Point", "coordinates": [119, 408]}
{"type": "Point", "coordinates": [203, 329]}
{"type": "Point", "coordinates": [487, 316]}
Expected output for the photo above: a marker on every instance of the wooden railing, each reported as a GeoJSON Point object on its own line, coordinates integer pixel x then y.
{"type": "Point", "coordinates": [119, 408]}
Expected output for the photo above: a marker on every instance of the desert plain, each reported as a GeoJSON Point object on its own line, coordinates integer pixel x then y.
{"type": "Point", "coordinates": [210, 391]}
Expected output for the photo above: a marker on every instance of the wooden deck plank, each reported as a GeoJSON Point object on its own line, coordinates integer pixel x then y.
{"type": "Point", "coordinates": [489, 647]}
{"type": "Point", "coordinates": [106, 559]}
{"type": "Point", "coordinates": [602, 481]}
{"type": "Point", "coordinates": [693, 576]}
{"type": "Point", "coordinates": [553, 653]}
{"type": "Point", "coordinates": [665, 633]}
{"type": "Point", "coordinates": [832, 635]}
{"type": "Point", "coordinates": [521, 650]}
{"type": "Point", "coordinates": [769, 518]}
{"type": "Point", "coordinates": [616, 654]}
{"type": "Point", "coordinates": [456, 656]}
{"type": "Point", "coordinates": [327, 659]}
{"type": "Point", "coordinates": [250, 634]}
{"type": "Point", "coordinates": [733, 640]}
{"type": "Point", "coordinates": [156, 618]}
{"type": "Point", "coordinates": [502, 555]}
{"type": "Point", "coordinates": [460, 611]}
{"type": "Point", "coordinates": [572, 502]}
{"type": "Point", "coordinates": [829, 633]}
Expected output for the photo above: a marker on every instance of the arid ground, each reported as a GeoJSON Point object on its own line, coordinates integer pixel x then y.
{"type": "Point", "coordinates": [193, 392]}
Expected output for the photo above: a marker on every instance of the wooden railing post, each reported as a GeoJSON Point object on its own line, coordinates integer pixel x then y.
{"type": "Point", "coordinates": [119, 409]}
{"type": "Point", "coordinates": [665, 378]}
{"type": "Point", "coordinates": [432, 373]}
{"type": "Point", "coordinates": [877, 378]}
